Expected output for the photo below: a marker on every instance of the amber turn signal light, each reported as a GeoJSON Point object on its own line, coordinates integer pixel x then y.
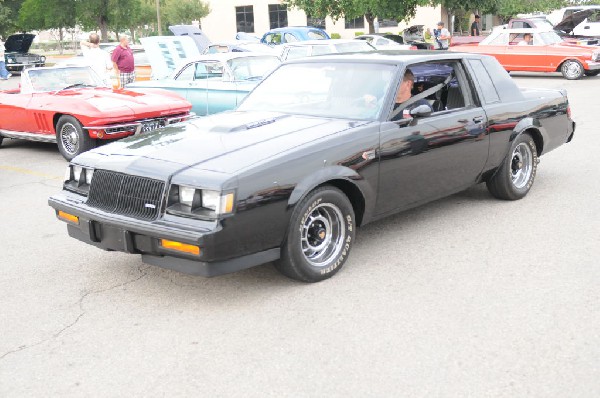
{"type": "Point", "coordinates": [180, 247]}
{"type": "Point", "coordinates": [68, 217]}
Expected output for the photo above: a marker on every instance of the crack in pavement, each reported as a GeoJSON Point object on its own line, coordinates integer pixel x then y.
{"type": "Point", "coordinates": [140, 269]}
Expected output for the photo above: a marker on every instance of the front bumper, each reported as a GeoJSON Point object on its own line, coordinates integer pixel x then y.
{"type": "Point", "coordinates": [592, 65]}
{"type": "Point", "coordinates": [19, 67]}
{"type": "Point", "coordinates": [118, 233]}
{"type": "Point", "coordinates": [124, 129]}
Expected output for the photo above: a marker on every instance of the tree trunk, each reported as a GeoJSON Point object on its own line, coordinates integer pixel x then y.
{"type": "Point", "coordinates": [132, 32]}
{"type": "Point", "coordinates": [103, 25]}
{"type": "Point", "coordinates": [370, 22]}
{"type": "Point", "coordinates": [60, 41]}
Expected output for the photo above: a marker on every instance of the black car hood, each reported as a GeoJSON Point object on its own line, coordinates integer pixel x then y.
{"type": "Point", "coordinates": [225, 143]}
{"type": "Point", "coordinates": [19, 43]}
{"type": "Point", "coordinates": [569, 23]}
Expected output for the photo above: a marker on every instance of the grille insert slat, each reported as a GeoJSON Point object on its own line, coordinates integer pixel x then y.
{"type": "Point", "coordinates": [133, 196]}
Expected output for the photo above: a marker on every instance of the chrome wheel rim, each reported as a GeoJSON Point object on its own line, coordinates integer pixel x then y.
{"type": "Point", "coordinates": [69, 138]}
{"type": "Point", "coordinates": [572, 69]}
{"type": "Point", "coordinates": [521, 165]}
{"type": "Point", "coordinates": [322, 234]}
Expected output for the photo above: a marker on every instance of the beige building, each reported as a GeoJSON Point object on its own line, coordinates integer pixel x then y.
{"type": "Point", "coordinates": [227, 17]}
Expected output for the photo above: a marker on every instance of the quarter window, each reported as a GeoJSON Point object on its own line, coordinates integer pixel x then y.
{"type": "Point", "coordinates": [244, 18]}
{"type": "Point", "coordinates": [484, 81]}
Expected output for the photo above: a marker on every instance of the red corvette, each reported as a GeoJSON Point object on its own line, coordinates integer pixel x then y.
{"type": "Point", "coordinates": [68, 106]}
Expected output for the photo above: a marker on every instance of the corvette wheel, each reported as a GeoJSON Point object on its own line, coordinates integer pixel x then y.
{"type": "Point", "coordinates": [572, 69]}
{"type": "Point", "coordinates": [592, 72]}
{"type": "Point", "coordinates": [320, 236]}
{"type": "Point", "coordinates": [514, 178]}
{"type": "Point", "coordinates": [71, 138]}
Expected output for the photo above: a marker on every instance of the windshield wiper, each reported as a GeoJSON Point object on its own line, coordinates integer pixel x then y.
{"type": "Point", "coordinates": [73, 86]}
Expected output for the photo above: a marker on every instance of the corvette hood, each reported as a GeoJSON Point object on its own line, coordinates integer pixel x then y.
{"type": "Point", "coordinates": [570, 22]}
{"type": "Point", "coordinates": [19, 43]}
{"type": "Point", "coordinates": [120, 103]}
{"type": "Point", "coordinates": [226, 142]}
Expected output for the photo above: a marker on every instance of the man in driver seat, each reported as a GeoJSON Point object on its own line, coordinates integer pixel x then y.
{"type": "Point", "coordinates": [405, 93]}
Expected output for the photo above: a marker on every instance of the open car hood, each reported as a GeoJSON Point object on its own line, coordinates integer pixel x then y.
{"type": "Point", "coordinates": [19, 43]}
{"type": "Point", "coordinates": [569, 23]}
{"type": "Point", "coordinates": [165, 53]}
{"type": "Point", "coordinates": [202, 42]}
{"type": "Point", "coordinates": [414, 32]}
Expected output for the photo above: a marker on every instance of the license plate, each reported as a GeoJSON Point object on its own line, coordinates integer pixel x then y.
{"type": "Point", "coordinates": [149, 126]}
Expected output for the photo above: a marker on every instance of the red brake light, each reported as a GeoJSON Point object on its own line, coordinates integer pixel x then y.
{"type": "Point", "coordinates": [569, 111]}
{"type": "Point", "coordinates": [413, 48]}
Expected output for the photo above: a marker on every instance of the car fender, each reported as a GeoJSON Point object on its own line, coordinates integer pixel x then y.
{"type": "Point", "coordinates": [337, 174]}
{"type": "Point", "coordinates": [532, 126]}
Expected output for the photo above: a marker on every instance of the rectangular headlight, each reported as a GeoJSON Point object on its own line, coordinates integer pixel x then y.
{"type": "Point", "coordinates": [78, 179]}
{"type": "Point", "coordinates": [184, 200]}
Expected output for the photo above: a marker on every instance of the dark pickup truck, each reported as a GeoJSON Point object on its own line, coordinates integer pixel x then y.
{"type": "Point", "coordinates": [321, 146]}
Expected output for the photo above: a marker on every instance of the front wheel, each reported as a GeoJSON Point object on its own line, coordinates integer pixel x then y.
{"type": "Point", "coordinates": [71, 138]}
{"type": "Point", "coordinates": [572, 69]}
{"type": "Point", "coordinates": [515, 176]}
{"type": "Point", "coordinates": [592, 72]}
{"type": "Point", "coordinates": [320, 236]}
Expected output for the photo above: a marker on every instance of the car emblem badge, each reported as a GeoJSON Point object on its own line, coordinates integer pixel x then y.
{"type": "Point", "coordinates": [150, 206]}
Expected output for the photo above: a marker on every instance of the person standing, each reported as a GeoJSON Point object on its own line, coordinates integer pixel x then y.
{"type": "Point", "coordinates": [475, 26]}
{"type": "Point", "coordinates": [4, 74]}
{"type": "Point", "coordinates": [97, 59]}
{"type": "Point", "coordinates": [122, 58]}
{"type": "Point", "coordinates": [441, 37]}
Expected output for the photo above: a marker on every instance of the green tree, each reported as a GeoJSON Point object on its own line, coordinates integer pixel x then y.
{"type": "Point", "coordinates": [48, 14]}
{"type": "Point", "coordinates": [390, 9]}
{"type": "Point", "coordinates": [507, 9]}
{"type": "Point", "coordinates": [9, 13]}
{"type": "Point", "coordinates": [176, 12]}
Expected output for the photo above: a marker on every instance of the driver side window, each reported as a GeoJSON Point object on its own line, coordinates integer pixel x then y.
{"type": "Point", "coordinates": [437, 85]}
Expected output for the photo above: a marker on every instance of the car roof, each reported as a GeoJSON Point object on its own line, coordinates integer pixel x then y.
{"type": "Point", "coordinates": [524, 30]}
{"type": "Point", "coordinates": [387, 57]}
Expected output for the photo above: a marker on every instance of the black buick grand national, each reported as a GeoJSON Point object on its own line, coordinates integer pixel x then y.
{"type": "Point", "coordinates": [318, 149]}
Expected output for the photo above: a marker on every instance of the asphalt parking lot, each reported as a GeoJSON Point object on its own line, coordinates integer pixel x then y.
{"type": "Point", "coordinates": [466, 296]}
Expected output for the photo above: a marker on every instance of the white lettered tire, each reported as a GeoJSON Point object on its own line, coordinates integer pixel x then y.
{"type": "Point", "coordinates": [320, 236]}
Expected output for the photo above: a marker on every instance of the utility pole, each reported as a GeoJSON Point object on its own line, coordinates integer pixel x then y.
{"type": "Point", "coordinates": [158, 17]}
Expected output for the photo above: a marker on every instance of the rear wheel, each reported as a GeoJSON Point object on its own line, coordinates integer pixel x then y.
{"type": "Point", "coordinates": [515, 176]}
{"type": "Point", "coordinates": [592, 72]}
{"type": "Point", "coordinates": [572, 69]}
{"type": "Point", "coordinates": [71, 138]}
{"type": "Point", "coordinates": [320, 236]}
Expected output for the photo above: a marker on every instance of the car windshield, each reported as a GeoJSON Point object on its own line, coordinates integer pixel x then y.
{"type": "Point", "coordinates": [550, 38]}
{"type": "Point", "coordinates": [248, 68]}
{"type": "Point", "coordinates": [324, 89]}
{"type": "Point", "coordinates": [54, 79]}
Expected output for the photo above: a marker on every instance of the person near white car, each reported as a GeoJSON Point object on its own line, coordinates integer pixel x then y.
{"type": "Point", "coordinates": [97, 59]}
{"type": "Point", "coordinates": [4, 74]}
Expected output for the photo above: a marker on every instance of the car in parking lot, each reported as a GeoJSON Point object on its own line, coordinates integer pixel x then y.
{"type": "Point", "coordinates": [293, 33]}
{"type": "Point", "coordinates": [311, 48]}
{"type": "Point", "coordinates": [70, 107]}
{"type": "Point", "coordinates": [17, 56]}
{"type": "Point", "coordinates": [215, 82]}
{"type": "Point", "coordinates": [381, 42]}
{"type": "Point", "coordinates": [307, 158]}
{"type": "Point", "coordinates": [547, 52]}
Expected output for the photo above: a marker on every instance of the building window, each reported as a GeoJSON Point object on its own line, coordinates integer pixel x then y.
{"type": "Point", "coordinates": [356, 23]}
{"type": "Point", "coordinates": [244, 18]}
{"type": "Point", "coordinates": [315, 22]}
{"type": "Point", "coordinates": [278, 15]}
{"type": "Point", "coordinates": [387, 23]}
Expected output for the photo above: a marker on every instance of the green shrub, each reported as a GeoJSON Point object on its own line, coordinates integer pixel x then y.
{"type": "Point", "coordinates": [359, 33]}
{"type": "Point", "coordinates": [335, 36]}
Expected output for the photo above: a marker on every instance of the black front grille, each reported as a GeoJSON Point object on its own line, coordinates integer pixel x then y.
{"type": "Point", "coordinates": [134, 196]}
